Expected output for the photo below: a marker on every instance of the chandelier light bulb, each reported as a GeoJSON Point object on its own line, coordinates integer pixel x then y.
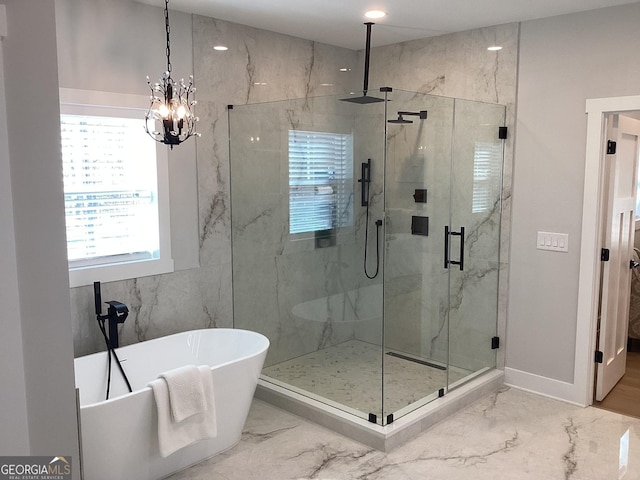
{"type": "Point", "coordinates": [163, 111]}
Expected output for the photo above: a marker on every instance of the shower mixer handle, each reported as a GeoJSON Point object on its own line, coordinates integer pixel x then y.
{"type": "Point", "coordinates": [447, 234]}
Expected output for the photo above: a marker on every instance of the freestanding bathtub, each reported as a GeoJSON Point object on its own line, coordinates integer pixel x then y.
{"type": "Point", "coordinates": [120, 435]}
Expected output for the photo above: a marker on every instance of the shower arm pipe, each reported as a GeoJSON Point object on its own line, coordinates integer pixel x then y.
{"type": "Point", "coordinates": [422, 114]}
{"type": "Point", "coordinates": [367, 55]}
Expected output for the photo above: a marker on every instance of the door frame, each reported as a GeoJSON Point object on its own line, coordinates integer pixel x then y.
{"type": "Point", "coordinates": [591, 242]}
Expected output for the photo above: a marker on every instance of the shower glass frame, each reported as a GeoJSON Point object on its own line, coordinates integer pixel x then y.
{"type": "Point", "coordinates": [375, 348]}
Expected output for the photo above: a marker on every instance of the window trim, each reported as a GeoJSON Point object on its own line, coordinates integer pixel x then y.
{"type": "Point", "coordinates": [115, 104]}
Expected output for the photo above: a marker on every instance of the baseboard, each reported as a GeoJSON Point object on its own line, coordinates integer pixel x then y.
{"type": "Point", "coordinates": [547, 387]}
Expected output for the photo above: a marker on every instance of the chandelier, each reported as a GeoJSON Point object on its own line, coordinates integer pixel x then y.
{"type": "Point", "coordinates": [172, 103]}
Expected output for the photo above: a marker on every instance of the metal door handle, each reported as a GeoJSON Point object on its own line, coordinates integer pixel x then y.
{"type": "Point", "coordinates": [446, 247]}
{"type": "Point", "coordinates": [447, 261]}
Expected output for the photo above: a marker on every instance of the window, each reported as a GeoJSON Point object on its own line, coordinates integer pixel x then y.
{"type": "Point", "coordinates": [320, 181]}
{"type": "Point", "coordinates": [487, 168]}
{"type": "Point", "coordinates": [115, 189]}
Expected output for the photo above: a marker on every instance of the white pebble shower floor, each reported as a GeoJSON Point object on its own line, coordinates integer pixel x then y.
{"type": "Point", "coordinates": [350, 374]}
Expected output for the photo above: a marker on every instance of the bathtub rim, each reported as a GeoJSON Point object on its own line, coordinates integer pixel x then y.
{"type": "Point", "coordinates": [146, 388]}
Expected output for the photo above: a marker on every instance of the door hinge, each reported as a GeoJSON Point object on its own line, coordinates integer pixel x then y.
{"type": "Point", "coordinates": [495, 343]}
{"type": "Point", "coordinates": [373, 418]}
{"type": "Point", "coordinates": [604, 255]}
{"type": "Point", "coordinates": [502, 133]}
{"type": "Point", "coordinates": [611, 147]}
{"type": "Point", "coordinates": [599, 356]}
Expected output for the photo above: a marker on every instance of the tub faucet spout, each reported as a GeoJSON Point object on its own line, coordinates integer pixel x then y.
{"type": "Point", "coordinates": [117, 313]}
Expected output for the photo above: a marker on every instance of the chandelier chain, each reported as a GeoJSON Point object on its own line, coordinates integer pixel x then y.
{"type": "Point", "coordinates": [168, 30]}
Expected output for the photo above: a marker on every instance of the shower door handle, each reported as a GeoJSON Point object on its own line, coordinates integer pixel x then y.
{"type": "Point", "coordinates": [447, 261]}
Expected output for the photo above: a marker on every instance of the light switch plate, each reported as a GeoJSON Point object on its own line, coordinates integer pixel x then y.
{"type": "Point", "coordinates": [556, 242]}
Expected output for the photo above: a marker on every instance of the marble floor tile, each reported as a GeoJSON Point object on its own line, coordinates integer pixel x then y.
{"type": "Point", "coordinates": [507, 435]}
{"type": "Point", "coordinates": [350, 374]}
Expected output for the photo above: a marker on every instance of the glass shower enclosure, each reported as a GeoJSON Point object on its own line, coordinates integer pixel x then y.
{"type": "Point", "coordinates": [365, 242]}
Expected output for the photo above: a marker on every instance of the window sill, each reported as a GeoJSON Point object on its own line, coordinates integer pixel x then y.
{"type": "Point", "coordinates": [81, 276]}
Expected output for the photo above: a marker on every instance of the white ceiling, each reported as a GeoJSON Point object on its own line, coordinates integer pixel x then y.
{"type": "Point", "coordinates": [339, 22]}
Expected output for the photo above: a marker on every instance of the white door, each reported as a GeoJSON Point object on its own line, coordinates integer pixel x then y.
{"type": "Point", "coordinates": [621, 184]}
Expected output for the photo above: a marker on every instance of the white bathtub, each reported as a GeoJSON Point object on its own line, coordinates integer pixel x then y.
{"type": "Point", "coordinates": [119, 435]}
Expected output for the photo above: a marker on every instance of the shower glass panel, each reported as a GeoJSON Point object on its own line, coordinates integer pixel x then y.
{"type": "Point", "coordinates": [416, 285]}
{"type": "Point", "coordinates": [339, 213]}
{"type": "Point", "coordinates": [476, 194]}
{"type": "Point", "coordinates": [298, 236]}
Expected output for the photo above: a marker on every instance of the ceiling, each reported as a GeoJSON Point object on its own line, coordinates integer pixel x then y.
{"type": "Point", "coordinates": [339, 22]}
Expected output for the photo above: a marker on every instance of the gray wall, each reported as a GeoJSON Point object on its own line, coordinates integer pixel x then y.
{"type": "Point", "coordinates": [563, 61]}
{"type": "Point", "coordinates": [39, 275]}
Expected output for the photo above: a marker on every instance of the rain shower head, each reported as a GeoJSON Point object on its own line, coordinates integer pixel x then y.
{"type": "Point", "coordinates": [364, 99]}
{"type": "Point", "coordinates": [401, 121]}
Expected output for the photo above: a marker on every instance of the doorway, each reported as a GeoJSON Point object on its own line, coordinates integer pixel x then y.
{"type": "Point", "coordinates": [615, 380]}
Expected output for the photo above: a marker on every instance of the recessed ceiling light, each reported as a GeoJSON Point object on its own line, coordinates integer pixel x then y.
{"type": "Point", "coordinates": [345, 69]}
{"type": "Point", "coordinates": [373, 14]}
{"type": "Point", "coordinates": [494, 48]}
{"type": "Point", "coordinates": [220, 48]}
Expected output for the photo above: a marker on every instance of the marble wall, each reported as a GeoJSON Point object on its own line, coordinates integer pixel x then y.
{"type": "Point", "coordinates": [263, 66]}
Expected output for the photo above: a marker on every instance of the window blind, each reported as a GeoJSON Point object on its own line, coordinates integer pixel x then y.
{"type": "Point", "coordinates": [487, 168]}
{"type": "Point", "coordinates": [110, 190]}
{"type": "Point", "coordinates": [320, 181]}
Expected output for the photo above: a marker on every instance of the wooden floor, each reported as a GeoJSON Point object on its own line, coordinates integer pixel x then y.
{"type": "Point", "coordinates": [625, 396]}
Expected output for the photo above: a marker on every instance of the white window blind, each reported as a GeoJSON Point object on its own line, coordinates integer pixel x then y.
{"type": "Point", "coordinates": [487, 168]}
{"type": "Point", "coordinates": [320, 181]}
{"type": "Point", "coordinates": [110, 190]}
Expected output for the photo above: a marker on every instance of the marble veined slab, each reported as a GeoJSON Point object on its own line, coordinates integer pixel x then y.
{"type": "Point", "coordinates": [510, 434]}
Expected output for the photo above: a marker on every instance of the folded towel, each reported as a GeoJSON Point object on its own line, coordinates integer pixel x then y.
{"type": "Point", "coordinates": [186, 392]}
{"type": "Point", "coordinates": [172, 436]}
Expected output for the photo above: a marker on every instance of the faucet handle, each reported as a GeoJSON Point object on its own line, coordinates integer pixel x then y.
{"type": "Point", "coordinates": [118, 309]}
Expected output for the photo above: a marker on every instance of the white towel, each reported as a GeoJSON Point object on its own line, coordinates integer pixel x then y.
{"type": "Point", "coordinates": [172, 436]}
{"type": "Point", "coordinates": [186, 392]}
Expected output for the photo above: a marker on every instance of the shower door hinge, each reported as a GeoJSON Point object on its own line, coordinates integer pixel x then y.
{"type": "Point", "coordinates": [599, 356]}
{"type": "Point", "coordinates": [390, 418]}
{"type": "Point", "coordinates": [611, 147]}
{"type": "Point", "coordinates": [502, 133]}
{"type": "Point", "coordinates": [373, 418]}
{"type": "Point", "coordinates": [441, 393]}
{"type": "Point", "coordinates": [495, 343]}
{"type": "Point", "coordinates": [604, 255]}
